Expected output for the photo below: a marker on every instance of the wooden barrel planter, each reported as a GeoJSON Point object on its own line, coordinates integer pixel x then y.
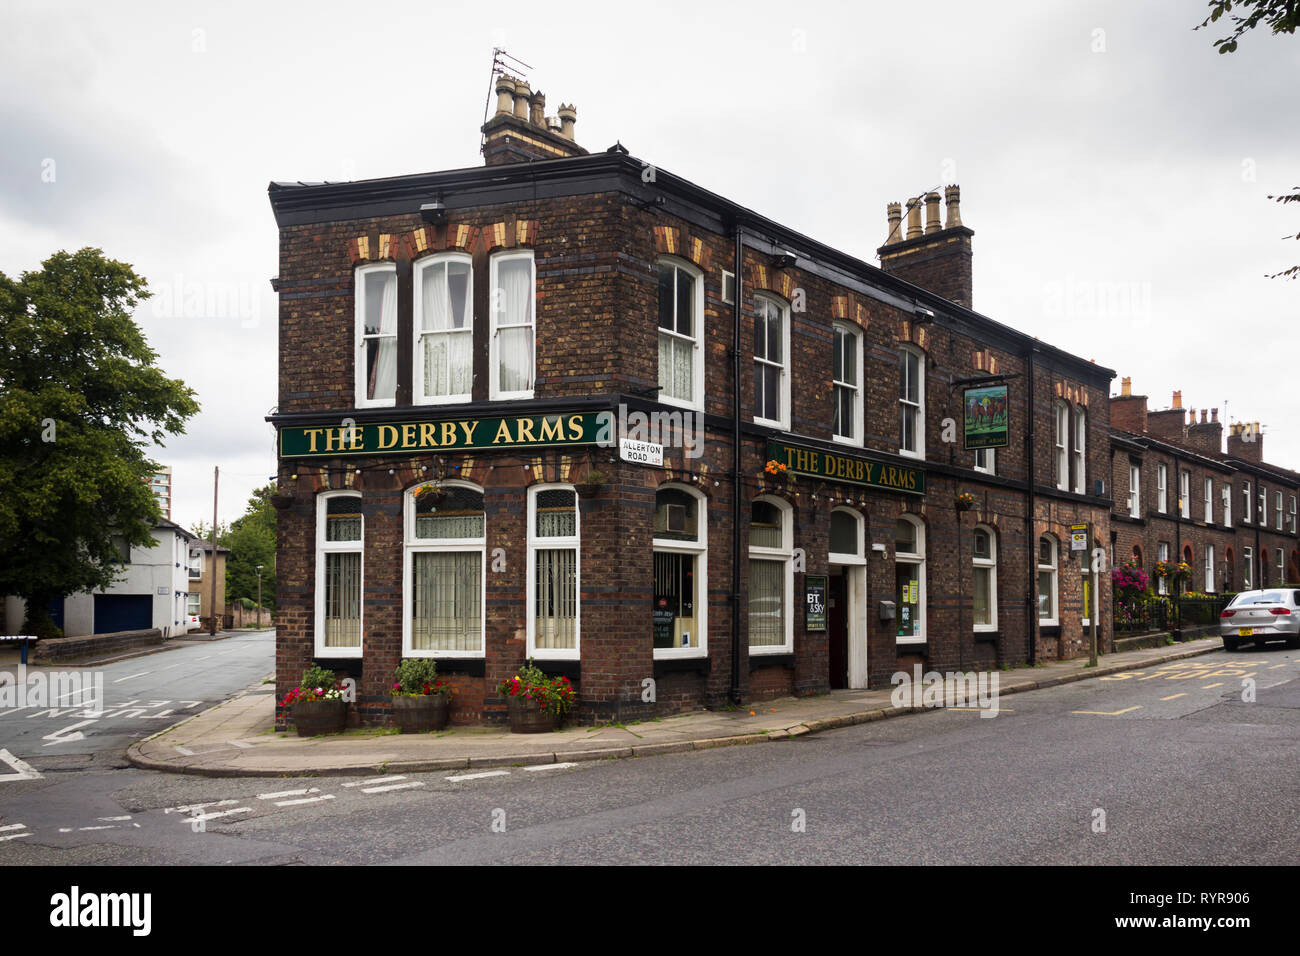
{"type": "Point", "coordinates": [527, 718]}
{"type": "Point", "coordinates": [312, 718]}
{"type": "Point", "coordinates": [419, 715]}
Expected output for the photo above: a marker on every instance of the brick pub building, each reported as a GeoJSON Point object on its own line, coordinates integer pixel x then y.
{"type": "Point", "coordinates": [480, 329]}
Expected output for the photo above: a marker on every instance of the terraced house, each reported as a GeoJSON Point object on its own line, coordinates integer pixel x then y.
{"type": "Point", "coordinates": [574, 407]}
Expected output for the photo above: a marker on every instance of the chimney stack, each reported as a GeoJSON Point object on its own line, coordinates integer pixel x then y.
{"type": "Point", "coordinates": [1245, 441]}
{"type": "Point", "coordinates": [936, 256]}
{"type": "Point", "coordinates": [1128, 412]}
{"type": "Point", "coordinates": [521, 132]}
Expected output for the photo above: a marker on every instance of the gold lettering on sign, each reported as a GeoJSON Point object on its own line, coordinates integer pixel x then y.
{"type": "Point", "coordinates": [448, 433]}
{"type": "Point", "coordinates": [575, 428]}
{"type": "Point", "coordinates": [387, 437]}
{"type": "Point", "coordinates": [311, 434]}
{"type": "Point", "coordinates": [408, 435]}
{"type": "Point", "coordinates": [426, 435]}
{"type": "Point", "coordinates": [503, 431]}
{"type": "Point", "coordinates": [525, 429]}
{"type": "Point", "coordinates": [552, 430]}
{"type": "Point", "coordinates": [334, 439]}
{"type": "Point", "coordinates": [468, 429]}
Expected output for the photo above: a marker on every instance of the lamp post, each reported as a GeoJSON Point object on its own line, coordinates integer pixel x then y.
{"type": "Point", "coordinates": [259, 595]}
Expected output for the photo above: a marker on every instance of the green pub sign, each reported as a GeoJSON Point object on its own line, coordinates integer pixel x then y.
{"type": "Point", "coordinates": [985, 417]}
{"type": "Point", "coordinates": [852, 469]}
{"type": "Point", "coordinates": [396, 438]}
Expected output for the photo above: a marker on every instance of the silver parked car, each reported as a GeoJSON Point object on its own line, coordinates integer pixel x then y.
{"type": "Point", "coordinates": [1272, 614]}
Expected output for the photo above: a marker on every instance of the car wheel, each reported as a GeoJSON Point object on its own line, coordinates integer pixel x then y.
{"type": "Point", "coordinates": [1231, 643]}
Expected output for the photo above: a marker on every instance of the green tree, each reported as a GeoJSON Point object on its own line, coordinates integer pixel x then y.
{"type": "Point", "coordinates": [251, 541]}
{"type": "Point", "coordinates": [80, 400]}
{"type": "Point", "coordinates": [1281, 16]}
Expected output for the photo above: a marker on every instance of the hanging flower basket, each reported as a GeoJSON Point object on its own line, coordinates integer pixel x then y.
{"type": "Point", "coordinates": [592, 486]}
{"type": "Point", "coordinates": [964, 501]}
{"type": "Point", "coordinates": [430, 493]}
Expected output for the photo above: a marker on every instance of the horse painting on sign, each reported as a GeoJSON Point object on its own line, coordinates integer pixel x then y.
{"type": "Point", "coordinates": [986, 417]}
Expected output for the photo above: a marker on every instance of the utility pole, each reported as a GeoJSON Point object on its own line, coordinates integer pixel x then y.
{"type": "Point", "coordinates": [259, 595]}
{"type": "Point", "coordinates": [212, 537]}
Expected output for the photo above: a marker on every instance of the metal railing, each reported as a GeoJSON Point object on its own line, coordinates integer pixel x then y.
{"type": "Point", "coordinates": [1141, 615]}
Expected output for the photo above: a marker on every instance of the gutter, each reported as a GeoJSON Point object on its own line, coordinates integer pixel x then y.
{"type": "Point", "coordinates": [735, 470]}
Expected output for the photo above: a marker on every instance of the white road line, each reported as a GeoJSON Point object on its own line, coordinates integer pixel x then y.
{"type": "Point", "coordinates": [1208, 686]}
{"type": "Point", "coordinates": [288, 793]}
{"type": "Point", "coordinates": [13, 826]}
{"type": "Point", "coordinates": [81, 829]}
{"type": "Point", "coordinates": [114, 819]}
{"type": "Point", "coordinates": [294, 803]}
{"type": "Point", "coordinates": [185, 751]}
{"type": "Point", "coordinates": [14, 836]}
{"type": "Point", "coordinates": [1173, 696]}
{"type": "Point", "coordinates": [480, 776]}
{"type": "Point", "coordinates": [188, 808]}
{"type": "Point", "coordinates": [549, 766]}
{"type": "Point", "coordinates": [219, 813]}
{"type": "Point", "coordinates": [132, 677]}
{"type": "Point", "coordinates": [22, 770]}
{"type": "Point", "coordinates": [203, 658]}
{"type": "Point", "coordinates": [240, 744]}
{"type": "Point", "coordinates": [373, 780]}
{"type": "Point", "coordinates": [394, 786]}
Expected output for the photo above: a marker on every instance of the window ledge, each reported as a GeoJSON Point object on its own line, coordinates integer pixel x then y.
{"type": "Point", "coordinates": [1049, 630]}
{"type": "Point", "coordinates": [469, 666]}
{"type": "Point", "coordinates": [757, 661]}
{"type": "Point", "coordinates": [678, 665]}
{"type": "Point", "coordinates": [571, 669]}
{"type": "Point", "coordinates": [990, 637]}
{"type": "Point", "coordinates": [921, 648]}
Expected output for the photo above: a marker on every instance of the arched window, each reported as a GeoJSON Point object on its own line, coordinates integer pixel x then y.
{"type": "Point", "coordinates": [443, 312]}
{"type": "Point", "coordinates": [771, 577]}
{"type": "Point", "coordinates": [553, 572]}
{"type": "Point", "coordinates": [446, 538]}
{"type": "Point", "coordinates": [909, 579]}
{"type": "Point", "coordinates": [984, 557]}
{"type": "Point", "coordinates": [847, 538]}
{"type": "Point", "coordinates": [771, 361]}
{"type": "Point", "coordinates": [681, 332]}
{"type": "Point", "coordinates": [681, 567]}
{"type": "Point", "coordinates": [1048, 593]}
{"type": "Point", "coordinates": [911, 402]}
{"type": "Point", "coordinates": [339, 545]}
{"type": "Point", "coordinates": [375, 368]}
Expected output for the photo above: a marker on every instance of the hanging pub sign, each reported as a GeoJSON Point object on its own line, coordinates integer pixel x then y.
{"type": "Point", "coordinates": [372, 438]}
{"type": "Point", "coordinates": [815, 598]}
{"type": "Point", "coordinates": [985, 416]}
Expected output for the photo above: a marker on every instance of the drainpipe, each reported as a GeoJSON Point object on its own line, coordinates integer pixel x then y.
{"type": "Point", "coordinates": [1031, 604]}
{"type": "Point", "coordinates": [735, 474]}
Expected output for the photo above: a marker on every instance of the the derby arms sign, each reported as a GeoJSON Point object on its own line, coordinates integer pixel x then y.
{"type": "Point", "coordinates": [853, 469]}
{"type": "Point", "coordinates": [395, 438]}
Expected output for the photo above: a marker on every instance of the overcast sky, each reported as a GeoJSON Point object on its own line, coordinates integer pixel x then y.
{"type": "Point", "coordinates": [1114, 167]}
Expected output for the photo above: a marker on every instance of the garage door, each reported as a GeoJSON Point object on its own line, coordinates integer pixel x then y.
{"type": "Point", "coordinates": [123, 612]}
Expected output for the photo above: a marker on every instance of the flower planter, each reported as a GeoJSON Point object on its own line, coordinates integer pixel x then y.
{"type": "Point", "coordinates": [281, 502]}
{"type": "Point", "coordinates": [527, 718]}
{"type": "Point", "coordinates": [419, 715]}
{"type": "Point", "coordinates": [589, 489]}
{"type": "Point", "coordinates": [315, 717]}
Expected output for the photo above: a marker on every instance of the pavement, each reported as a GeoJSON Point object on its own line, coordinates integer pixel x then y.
{"type": "Point", "coordinates": [238, 738]}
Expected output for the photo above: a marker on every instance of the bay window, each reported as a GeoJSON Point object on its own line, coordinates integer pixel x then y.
{"type": "Point", "coordinates": [680, 599]}
{"type": "Point", "coordinates": [375, 369]}
{"type": "Point", "coordinates": [985, 582]}
{"type": "Point", "coordinates": [444, 329]}
{"type": "Point", "coordinates": [909, 579]}
{"type": "Point", "coordinates": [1047, 581]}
{"type": "Point", "coordinates": [771, 374]}
{"type": "Point", "coordinates": [514, 292]}
{"type": "Point", "coordinates": [339, 537]}
{"type": "Point", "coordinates": [553, 572]}
{"type": "Point", "coordinates": [847, 378]}
{"type": "Point", "coordinates": [911, 402]}
{"type": "Point", "coordinates": [445, 545]}
{"type": "Point", "coordinates": [771, 577]}
{"type": "Point", "coordinates": [681, 328]}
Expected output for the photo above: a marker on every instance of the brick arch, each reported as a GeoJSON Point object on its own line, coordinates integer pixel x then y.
{"type": "Point", "coordinates": [763, 278]}
{"type": "Point", "coordinates": [672, 241]}
{"type": "Point", "coordinates": [1189, 556]}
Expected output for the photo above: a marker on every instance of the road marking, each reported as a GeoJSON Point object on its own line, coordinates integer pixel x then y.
{"type": "Point", "coordinates": [1108, 713]}
{"type": "Point", "coordinates": [114, 819]}
{"type": "Point", "coordinates": [14, 836]}
{"type": "Point", "coordinates": [199, 806]}
{"type": "Point", "coordinates": [21, 769]}
{"type": "Point", "coordinates": [294, 803]}
{"type": "Point", "coordinates": [219, 813]}
{"type": "Point", "coordinates": [288, 793]}
{"type": "Point", "coordinates": [83, 829]}
{"type": "Point", "coordinates": [1276, 666]}
{"type": "Point", "coordinates": [480, 776]}
{"type": "Point", "coordinates": [1173, 696]}
{"type": "Point", "coordinates": [550, 766]}
{"type": "Point", "coordinates": [13, 826]}
{"type": "Point", "coordinates": [67, 734]}
{"type": "Point", "coordinates": [132, 677]}
{"type": "Point", "coordinates": [184, 751]}
{"type": "Point", "coordinates": [372, 780]}
{"type": "Point", "coordinates": [1001, 710]}
{"type": "Point", "coordinates": [240, 744]}
{"type": "Point", "coordinates": [395, 786]}
{"type": "Point", "coordinates": [1208, 686]}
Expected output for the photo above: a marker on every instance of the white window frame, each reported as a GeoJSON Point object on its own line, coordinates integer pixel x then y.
{"type": "Point", "coordinates": [324, 547]}
{"type": "Point", "coordinates": [413, 545]}
{"type": "Point", "coordinates": [360, 373]}
{"type": "Point", "coordinates": [917, 558]}
{"type": "Point", "coordinates": [722, 289]}
{"type": "Point", "coordinates": [495, 327]}
{"type": "Point", "coordinates": [1080, 449]}
{"type": "Point", "coordinates": [1209, 569]}
{"type": "Point", "coordinates": [1209, 501]}
{"type": "Point", "coordinates": [1281, 566]}
{"type": "Point", "coordinates": [784, 554]}
{"type": "Point", "coordinates": [1162, 488]}
{"type": "Point", "coordinates": [1292, 504]}
{"type": "Point", "coordinates": [696, 401]}
{"type": "Point", "coordinates": [1062, 446]}
{"type": "Point", "coordinates": [700, 550]}
{"type": "Point", "coordinates": [986, 461]}
{"type": "Point", "coordinates": [195, 565]}
{"type": "Point", "coordinates": [1134, 490]}
{"type": "Point", "coordinates": [1248, 568]}
{"type": "Point", "coordinates": [1227, 504]}
{"type": "Point", "coordinates": [860, 558]}
{"type": "Point", "coordinates": [1184, 493]}
{"type": "Point", "coordinates": [195, 597]}
{"type": "Point", "coordinates": [536, 543]}
{"type": "Point", "coordinates": [1162, 554]}
{"type": "Point", "coordinates": [907, 406]}
{"type": "Point", "coordinates": [991, 562]}
{"type": "Point", "coordinates": [1263, 506]}
{"type": "Point", "coordinates": [855, 436]}
{"type": "Point", "coordinates": [1054, 567]}
{"type": "Point", "coordinates": [783, 391]}
{"type": "Point", "coordinates": [1247, 511]}
{"type": "Point", "coordinates": [418, 331]}
{"type": "Point", "coordinates": [1277, 511]}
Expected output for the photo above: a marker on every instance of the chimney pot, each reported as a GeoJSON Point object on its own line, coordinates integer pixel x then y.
{"type": "Point", "coordinates": [952, 195]}
{"type": "Point", "coordinates": [537, 111]}
{"type": "Point", "coordinates": [1126, 386]}
{"type": "Point", "coordinates": [932, 213]}
{"type": "Point", "coordinates": [1178, 399]}
{"type": "Point", "coordinates": [894, 217]}
{"type": "Point", "coordinates": [523, 91]}
{"type": "Point", "coordinates": [505, 94]}
{"type": "Point", "coordinates": [1214, 414]}
{"type": "Point", "coordinates": [914, 218]}
{"type": "Point", "coordinates": [568, 116]}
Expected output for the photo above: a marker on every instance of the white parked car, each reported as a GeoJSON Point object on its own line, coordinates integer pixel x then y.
{"type": "Point", "coordinates": [1271, 614]}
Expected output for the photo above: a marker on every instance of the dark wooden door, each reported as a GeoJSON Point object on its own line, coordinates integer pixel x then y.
{"type": "Point", "coordinates": [837, 628]}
